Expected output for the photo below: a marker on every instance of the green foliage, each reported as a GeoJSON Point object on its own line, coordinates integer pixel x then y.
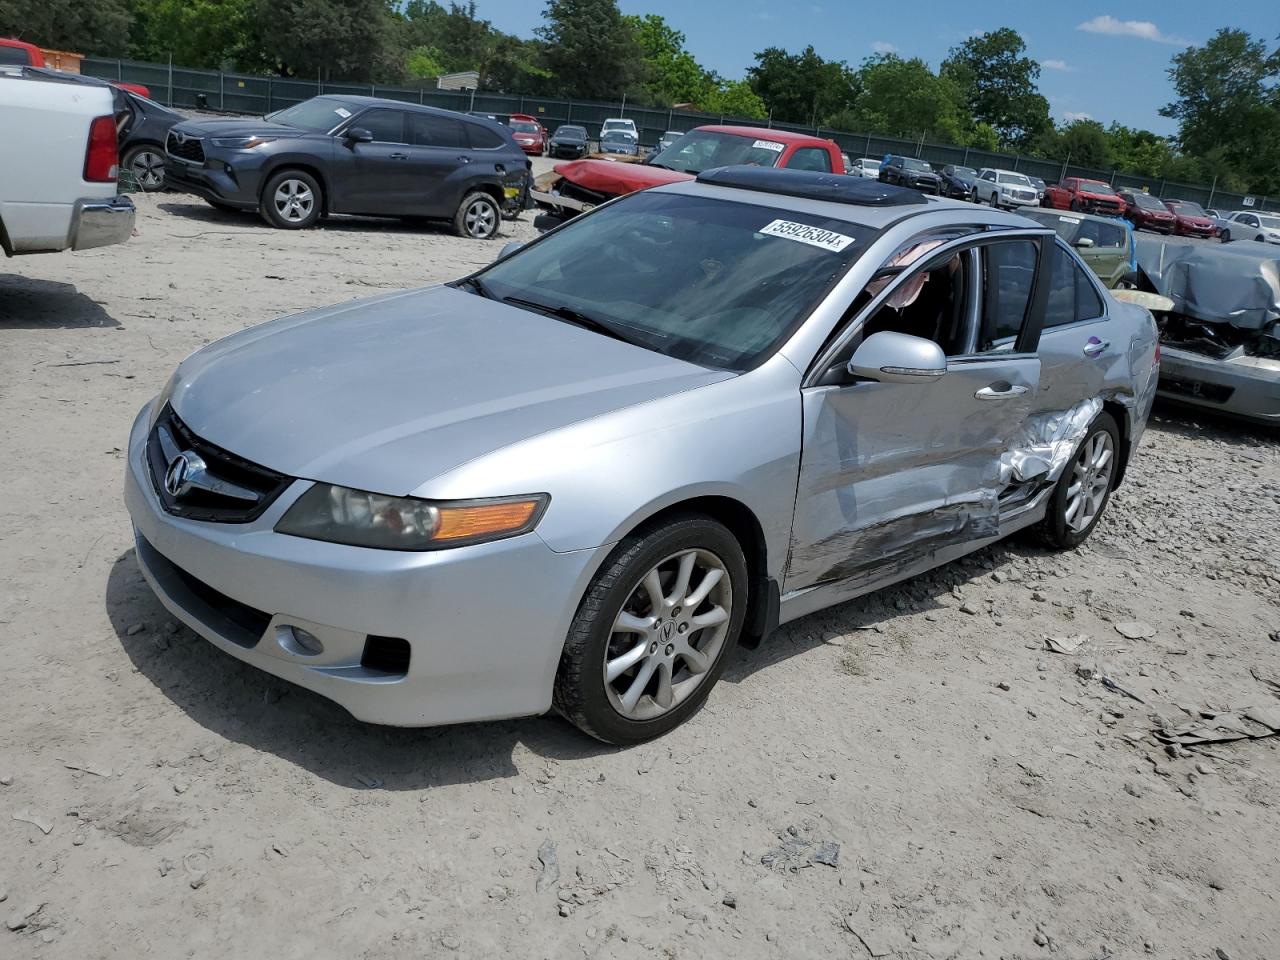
{"type": "Point", "coordinates": [731, 98]}
{"type": "Point", "coordinates": [591, 50]}
{"type": "Point", "coordinates": [904, 98]}
{"type": "Point", "coordinates": [423, 63]}
{"type": "Point", "coordinates": [801, 87]}
{"type": "Point", "coordinates": [671, 73]}
{"type": "Point", "coordinates": [998, 84]}
{"type": "Point", "coordinates": [197, 33]}
{"type": "Point", "coordinates": [98, 27]}
{"type": "Point", "coordinates": [1086, 142]}
{"type": "Point", "coordinates": [328, 39]}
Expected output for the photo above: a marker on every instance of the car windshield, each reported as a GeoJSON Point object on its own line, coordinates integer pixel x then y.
{"type": "Point", "coordinates": [909, 163]}
{"type": "Point", "coordinates": [964, 172]}
{"type": "Point", "coordinates": [318, 113]}
{"type": "Point", "coordinates": [703, 149]}
{"type": "Point", "coordinates": [671, 135]}
{"type": "Point", "coordinates": [1095, 186]}
{"type": "Point", "coordinates": [1015, 178]}
{"type": "Point", "coordinates": [1271, 223]}
{"type": "Point", "coordinates": [1147, 202]}
{"type": "Point", "coordinates": [718, 283]}
{"type": "Point", "coordinates": [617, 136]}
{"type": "Point", "coordinates": [523, 126]}
{"type": "Point", "coordinates": [618, 125]}
{"type": "Point", "coordinates": [571, 133]}
{"type": "Point", "coordinates": [1188, 208]}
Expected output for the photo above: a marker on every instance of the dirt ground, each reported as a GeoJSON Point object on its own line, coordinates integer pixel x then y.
{"type": "Point", "coordinates": [989, 797]}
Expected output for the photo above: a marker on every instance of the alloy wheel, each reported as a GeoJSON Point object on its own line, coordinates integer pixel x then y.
{"type": "Point", "coordinates": [480, 219]}
{"type": "Point", "coordinates": [293, 200]}
{"type": "Point", "coordinates": [1090, 481]}
{"type": "Point", "coordinates": [668, 634]}
{"type": "Point", "coordinates": [148, 169]}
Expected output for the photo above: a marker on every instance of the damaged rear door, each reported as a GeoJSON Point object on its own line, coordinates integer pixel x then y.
{"type": "Point", "coordinates": [890, 472]}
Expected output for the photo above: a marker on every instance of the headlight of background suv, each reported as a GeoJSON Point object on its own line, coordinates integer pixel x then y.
{"type": "Point", "coordinates": [360, 519]}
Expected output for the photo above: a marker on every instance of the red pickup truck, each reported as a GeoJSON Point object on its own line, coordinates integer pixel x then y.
{"type": "Point", "coordinates": [582, 184]}
{"type": "Point", "coordinates": [1085, 196]}
{"type": "Point", "coordinates": [19, 53]}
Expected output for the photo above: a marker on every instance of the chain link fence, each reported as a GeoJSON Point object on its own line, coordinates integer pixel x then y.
{"type": "Point", "coordinates": [189, 88]}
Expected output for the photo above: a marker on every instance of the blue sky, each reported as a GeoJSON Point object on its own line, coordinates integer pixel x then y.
{"type": "Point", "coordinates": [1106, 61]}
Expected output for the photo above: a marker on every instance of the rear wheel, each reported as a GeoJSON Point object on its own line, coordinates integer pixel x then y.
{"type": "Point", "coordinates": [291, 200]}
{"type": "Point", "coordinates": [478, 216]}
{"type": "Point", "coordinates": [146, 163]}
{"type": "Point", "coordinates": [1226, 236]}
{"type": "Point", "coordinates": [1084, 488]}
{"type": "Point", "coordinates": [654, 631]}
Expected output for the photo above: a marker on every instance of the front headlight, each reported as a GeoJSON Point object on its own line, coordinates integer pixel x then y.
{"type": "Point", "coordinates": [360, 519]}
{"type": "Point", "coordinates": [240, 143]}
{"type": "Point", "coordinates": [159, 402]}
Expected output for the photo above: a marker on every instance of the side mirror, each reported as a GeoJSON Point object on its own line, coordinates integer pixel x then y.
{"type": "Point", "coordinates": [897, 358]}
{"type": "Point", "coordinates": [510, 248]}
{"type": "Point", "coordinates": [1083, 243]}
{"type": "Point", "coordinates": [358, 135]}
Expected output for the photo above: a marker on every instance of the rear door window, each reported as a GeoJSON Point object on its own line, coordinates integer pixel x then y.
{"type": "Point", "coordinates": [1072, 296]}
{"type": "Point", "coordinates": [428, 130]}
{"type": "Point", "coordinates": [482, 138]}
{"type": "Point", "coordinates": [1009, 271]}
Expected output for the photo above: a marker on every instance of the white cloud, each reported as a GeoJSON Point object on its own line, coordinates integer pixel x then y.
{"type": "Point", "coordinates": [1057, 65]}
{"type": "Point", "coordinates": [1072, 116]}
{"type": "Point", "coordinates": [1142, 29]}
{"type": "Point", "coordinates": [882, 46]}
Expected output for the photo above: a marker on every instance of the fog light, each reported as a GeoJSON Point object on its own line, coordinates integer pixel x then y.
{"type": "Point", "coordinates": [295, 640]}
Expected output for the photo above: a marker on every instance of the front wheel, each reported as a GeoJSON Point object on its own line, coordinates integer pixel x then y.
{"type": "Point", "coordinates": [478, 216]}
{"type": "Point", "coordinates": [654, 631]}
{"type": "Point", "coordinates": [1084, 488]}
{"type": "Point", "coordinates": [146, 164]}
{"type": "Point", "coordinates": [291, 200]}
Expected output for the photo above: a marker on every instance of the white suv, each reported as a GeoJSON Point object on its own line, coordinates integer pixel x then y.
{"type": "Point", "coordinates": [1004, 188]}
{"type": "Point", "coordinates": [617, 123]}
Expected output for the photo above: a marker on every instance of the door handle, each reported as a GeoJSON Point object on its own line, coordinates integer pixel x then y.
{"type": "Point", "coordinates": [1096, 347]}
{"type": "Point", "coordinates": [991, 393]}
{"type": "Point", "coordinates": [397, 156]}
{"type": "Point", "coordinates": [464, 159]}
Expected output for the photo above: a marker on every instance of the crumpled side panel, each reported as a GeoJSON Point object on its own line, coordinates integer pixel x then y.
{"type": "Point", "coordinates": [1044, 447]}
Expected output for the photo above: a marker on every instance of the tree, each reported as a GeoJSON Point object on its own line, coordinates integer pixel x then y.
{"type": "Point", "coordinates": [196, 33]}
{"type": "Point", "coordinates": [331, 39]}
{"type": "Point", "coordinates": [591, 50]}
{"type": "Point", "coordinates": [731, 98]}
{"type": "Point", "coordinates": [98, 27]}
{"type": "Point", "coordinates": [1085, 142]}
{"type": "Point", "coordinates": [802, 87]}
{"type": "Point", "coordinates": [1228, 100]}
{"type": "Point", "coordinates": [904, 98]}
{"type": "Point", "coordinates": [672, 75]}
{"type": "Point", "coordinates": [998, 83]}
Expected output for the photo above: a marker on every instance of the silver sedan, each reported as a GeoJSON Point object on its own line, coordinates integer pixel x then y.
{"type": "Point", "coordinates": [582, 476]}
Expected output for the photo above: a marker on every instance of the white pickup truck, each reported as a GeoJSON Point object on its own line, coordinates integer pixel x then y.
{"type": "Point", "coordinates": [58, 168]}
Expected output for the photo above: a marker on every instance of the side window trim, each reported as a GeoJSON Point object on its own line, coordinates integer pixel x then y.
{"type": "Point", "coordinates": [826, 356]}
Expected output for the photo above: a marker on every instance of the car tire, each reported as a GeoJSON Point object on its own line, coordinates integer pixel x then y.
{"type": "Point", "coordinates": [146, 163]}
{"type": "Point", "coordinates": [1064, 527]}
{"type": "Point", "coordinates": [1225, 236]}
{"type": "Point", "coordinates": [291, 200]}
{"type": "Point", "coordinates": [646, 571]}
{"type": "Point", "coordinates": [478, 216]}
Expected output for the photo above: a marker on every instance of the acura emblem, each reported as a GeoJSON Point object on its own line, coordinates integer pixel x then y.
{"type": "Point", "coordinates": [182, 470]}
{"type": "Point", "coordinates": [668, 629]}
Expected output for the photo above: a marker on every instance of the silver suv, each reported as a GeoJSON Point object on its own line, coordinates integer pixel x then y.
{"type": "Point", "coordinates": [583, 475]}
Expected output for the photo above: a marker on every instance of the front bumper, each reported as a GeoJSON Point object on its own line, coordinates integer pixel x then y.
{"type": "Point", "coordinates": [1247, 387]}
{"type": "Point", "coordinates": [224, 180]}
{"type": "Point", "coordinates": [484, 624]}
{"type": "Point", "coordinates": [100, 223]}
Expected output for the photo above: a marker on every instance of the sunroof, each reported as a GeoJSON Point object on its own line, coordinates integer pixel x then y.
{"type": "Point", "coordinates": [812, 185]}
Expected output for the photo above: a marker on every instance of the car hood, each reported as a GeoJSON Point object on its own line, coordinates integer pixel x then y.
{"type": "Point", "coordinates": [385, 394]}
{"type": "Point", "coordinates": [922, 174]}
{"type": "Point", "coordinates": [239, 128]}
{"type": "Point", "coordinates": [617, 179]}
{"type": "Point", "coordinates": [1193, 221]}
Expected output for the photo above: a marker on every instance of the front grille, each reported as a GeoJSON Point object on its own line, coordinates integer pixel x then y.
{"type": "Point", "coordinates": [191, 148]}
{"type": "Point", "coordinates": [229, 489]}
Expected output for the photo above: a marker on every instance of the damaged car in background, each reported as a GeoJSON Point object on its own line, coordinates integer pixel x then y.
{"type": "Point", "coordinates": [1220, 334]}
{"type": "Point", "coordinates": [572, 188]}
{"type": "Point", "coordinates": [756, 395]}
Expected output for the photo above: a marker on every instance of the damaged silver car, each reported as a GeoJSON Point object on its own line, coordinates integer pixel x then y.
{"type": "Point", "coordinates": [1221, 336]}
{"type": "Point", "coordinates": [585, 474]}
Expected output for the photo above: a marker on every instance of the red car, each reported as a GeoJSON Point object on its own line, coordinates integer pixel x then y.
{"type": "Point", "coordinates": [1191, 219]}
{"type": "Point", "coordinates": [1146, 212]}
{"type": "Point", "coordinates": [582, 184]}
{"type": "Point", "coordinates": [1085, 196]}
{"type": "Point", "coordinates": [531, 136]}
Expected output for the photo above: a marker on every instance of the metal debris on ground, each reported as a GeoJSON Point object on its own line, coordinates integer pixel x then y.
{"type": "Point", "coordinates": [1116, 688]}
{"type": "Point", "coordinates": [1248, 723]}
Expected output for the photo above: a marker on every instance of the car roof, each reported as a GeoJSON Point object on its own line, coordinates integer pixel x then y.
{"type": "Point", "coordinates": [875, 217]}
{"type": "Point", "coordinates": [765, 133]}
{"type": "Point", "coordinates": [1072, 215]}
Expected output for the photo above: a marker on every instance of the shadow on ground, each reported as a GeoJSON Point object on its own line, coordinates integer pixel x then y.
{"type": "Point", "coordinates": [1186, 420]}
{"type": "Point", "coordinates": [245, 705]}
{"type": "Point", "coordinates": [28, 303]}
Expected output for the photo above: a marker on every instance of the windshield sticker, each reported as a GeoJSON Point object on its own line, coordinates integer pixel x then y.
{"type": "Point", "coordinates": [768, 145]}
{"type": "Point", "coordinates": [804, 233]}
{"type": "Point", "coordinates": [343, 112]}
{"type": "Point", "coordinates": [1069, 219]}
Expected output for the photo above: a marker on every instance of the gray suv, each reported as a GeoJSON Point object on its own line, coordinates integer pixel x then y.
{"type": "Point", "coordinates": [354, 155]}
{"type": "Point", "coordinates": [583, 475]}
